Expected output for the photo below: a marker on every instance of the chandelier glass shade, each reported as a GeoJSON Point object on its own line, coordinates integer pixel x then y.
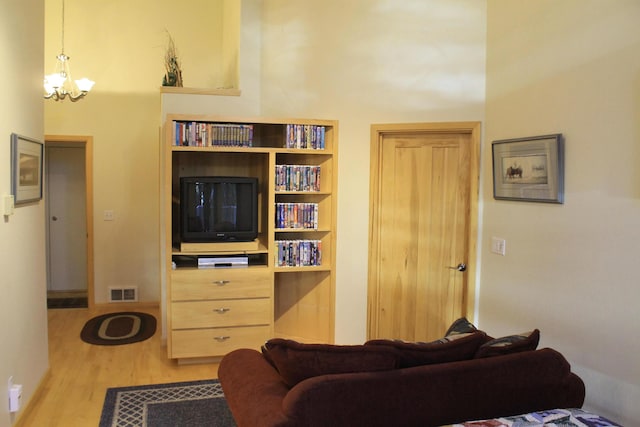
{"type": "Point", "coordinates": [60, 85]}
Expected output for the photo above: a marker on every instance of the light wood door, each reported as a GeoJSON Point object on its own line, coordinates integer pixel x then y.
{"type": "Point", "coordinates": [422, 228]}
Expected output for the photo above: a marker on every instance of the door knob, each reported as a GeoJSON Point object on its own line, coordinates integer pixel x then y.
{"type": "Point", "coordinates": [460, 267]}
{"type": "Point", "coordinates": [54, 218]}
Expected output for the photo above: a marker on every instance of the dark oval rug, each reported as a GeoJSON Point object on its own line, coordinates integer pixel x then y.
{"type": "Point", "coordinates": [119, 328]}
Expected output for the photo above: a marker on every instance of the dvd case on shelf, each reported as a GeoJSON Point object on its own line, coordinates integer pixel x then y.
{"type": "Point", "coordinates": [298, 253]}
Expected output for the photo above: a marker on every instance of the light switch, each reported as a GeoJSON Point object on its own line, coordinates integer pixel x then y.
{"type": "Point", "coordinates": [8, 204]}
{"type": "Point", "coordinates": [498, 246]}
{"type": "Point", "coordinates": [108, 215]}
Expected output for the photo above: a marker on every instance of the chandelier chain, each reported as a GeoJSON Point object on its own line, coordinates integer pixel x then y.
{"type": "Point", "coordinates": [59, 85]}
{"type": "Point", "coordinates": [63, 27]}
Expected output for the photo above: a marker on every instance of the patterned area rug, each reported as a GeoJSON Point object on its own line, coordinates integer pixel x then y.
{"type": "Point", "coordinates": [119, 328]}
{"type": "Point", "coordinates": [186, 404]}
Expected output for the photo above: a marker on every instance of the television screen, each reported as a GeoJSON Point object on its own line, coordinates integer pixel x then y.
{"type": "Point", "coordinates": [217, 208]}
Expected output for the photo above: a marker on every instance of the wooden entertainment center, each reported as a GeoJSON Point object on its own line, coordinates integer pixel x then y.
{"type": "Point", "coordinates": [288, 287]}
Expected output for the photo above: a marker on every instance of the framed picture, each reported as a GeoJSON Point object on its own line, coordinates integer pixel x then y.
{"type": "Point", "coordinates": [529, 169]}
{"type": "Point", "coordinates": [26, 169]}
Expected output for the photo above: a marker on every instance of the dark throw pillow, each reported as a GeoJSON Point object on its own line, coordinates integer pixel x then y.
{"type": "Point", "coordinates": [296, 362]}
{"type": "Point", "coordinates": [448, 349]}
{"type": "Point", "coordinates": [510, 344]}
{"type": "Point", "coordinates": [460, 326]}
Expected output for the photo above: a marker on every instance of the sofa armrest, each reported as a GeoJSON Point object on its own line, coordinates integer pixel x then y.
{"type": "Point", "coordinates": [438, 394]}
{"type": "Point", "coordinates": [253, 389]}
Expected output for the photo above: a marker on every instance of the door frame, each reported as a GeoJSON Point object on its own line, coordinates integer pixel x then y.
{"type": "Point", "coordinates": [87, 143]}
{"type": "Point", "coordinates": [378, 132]}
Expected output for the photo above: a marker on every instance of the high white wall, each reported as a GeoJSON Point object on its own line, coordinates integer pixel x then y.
{"type": "Point", "coordinates": [364, 62]}
{"type": "Point", "coordinates": [570, 66]}
{"type": "Point", "coordinates": [23, 307]}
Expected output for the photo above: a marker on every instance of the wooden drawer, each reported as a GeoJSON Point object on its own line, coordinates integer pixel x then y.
{"type": "Point", "coordinates": [221, 313]}
{"type": "Point", "coordinates": [216, 342]}
{"type": "Point", "coordinates": [194, 284]}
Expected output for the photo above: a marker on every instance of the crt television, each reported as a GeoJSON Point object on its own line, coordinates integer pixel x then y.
{"type": "Point", "coordinates": [218, 209]}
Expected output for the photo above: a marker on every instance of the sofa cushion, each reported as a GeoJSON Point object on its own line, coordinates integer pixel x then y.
{"type": "Point", "coordinates": [509, 344]}
{"type": "Point", "coordinates": [460, 326]}
{"type": "Point", "coordinates": [295, 361]}
{"type": "Point", "coordinates": [448, 349]}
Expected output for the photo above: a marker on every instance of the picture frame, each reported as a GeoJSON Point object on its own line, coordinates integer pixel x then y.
{"type": "Point", "coordinates": [26, 169]}
{"type": "Point", "coordinates": [529, 169]}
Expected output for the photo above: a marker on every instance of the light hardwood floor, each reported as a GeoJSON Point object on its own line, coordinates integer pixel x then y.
{"type": "Point", "coordinates": [73, 392]}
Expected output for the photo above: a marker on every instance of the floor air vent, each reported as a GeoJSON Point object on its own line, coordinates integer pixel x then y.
{"type": "Point", "coordinates": [128, 294]}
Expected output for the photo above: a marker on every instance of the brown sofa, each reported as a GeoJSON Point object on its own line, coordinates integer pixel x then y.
{"type": "Point", "coordinates": [264, 389]}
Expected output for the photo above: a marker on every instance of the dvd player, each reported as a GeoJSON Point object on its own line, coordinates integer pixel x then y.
{"type": "Point", "coordinates": [223, 262]}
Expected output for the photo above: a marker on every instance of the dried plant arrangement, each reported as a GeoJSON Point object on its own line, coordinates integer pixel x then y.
{"type": "Point", "coordinates": [173, 73]}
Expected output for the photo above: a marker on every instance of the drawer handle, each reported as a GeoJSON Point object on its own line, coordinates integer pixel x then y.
{"type": "Point", "coordinates": [222, 338]}
{"type": "Point", "coordinates": [221, 282]}
{"type": "Point", "coordinates": [222, 310]}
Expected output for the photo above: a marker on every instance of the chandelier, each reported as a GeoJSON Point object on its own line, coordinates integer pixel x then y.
{"type": "Point", "coordinates": [60, 85]}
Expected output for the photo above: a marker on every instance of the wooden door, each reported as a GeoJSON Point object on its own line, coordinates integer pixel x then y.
{"type": "Point", "coordinates": [423, 213]}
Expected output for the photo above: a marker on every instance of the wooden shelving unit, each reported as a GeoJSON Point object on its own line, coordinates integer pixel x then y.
{"type": "Point", "coordinates": [213, 311]}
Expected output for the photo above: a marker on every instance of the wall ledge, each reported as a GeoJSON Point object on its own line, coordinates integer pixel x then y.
{"type": "Point", "coordinates": [198, 91]}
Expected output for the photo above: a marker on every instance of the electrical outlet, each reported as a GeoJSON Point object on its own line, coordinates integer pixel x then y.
{"type": "Point", "coordinates": [108, 215]}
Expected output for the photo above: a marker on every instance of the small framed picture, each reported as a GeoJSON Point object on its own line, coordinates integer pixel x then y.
{"type": "Point", "coordinates": [26, 169]}
{"type": "Point", "coordinates": [529, 169]}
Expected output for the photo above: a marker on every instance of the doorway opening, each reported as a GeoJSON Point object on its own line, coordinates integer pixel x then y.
{"type": "Point", "coordinates": [69, 221]}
